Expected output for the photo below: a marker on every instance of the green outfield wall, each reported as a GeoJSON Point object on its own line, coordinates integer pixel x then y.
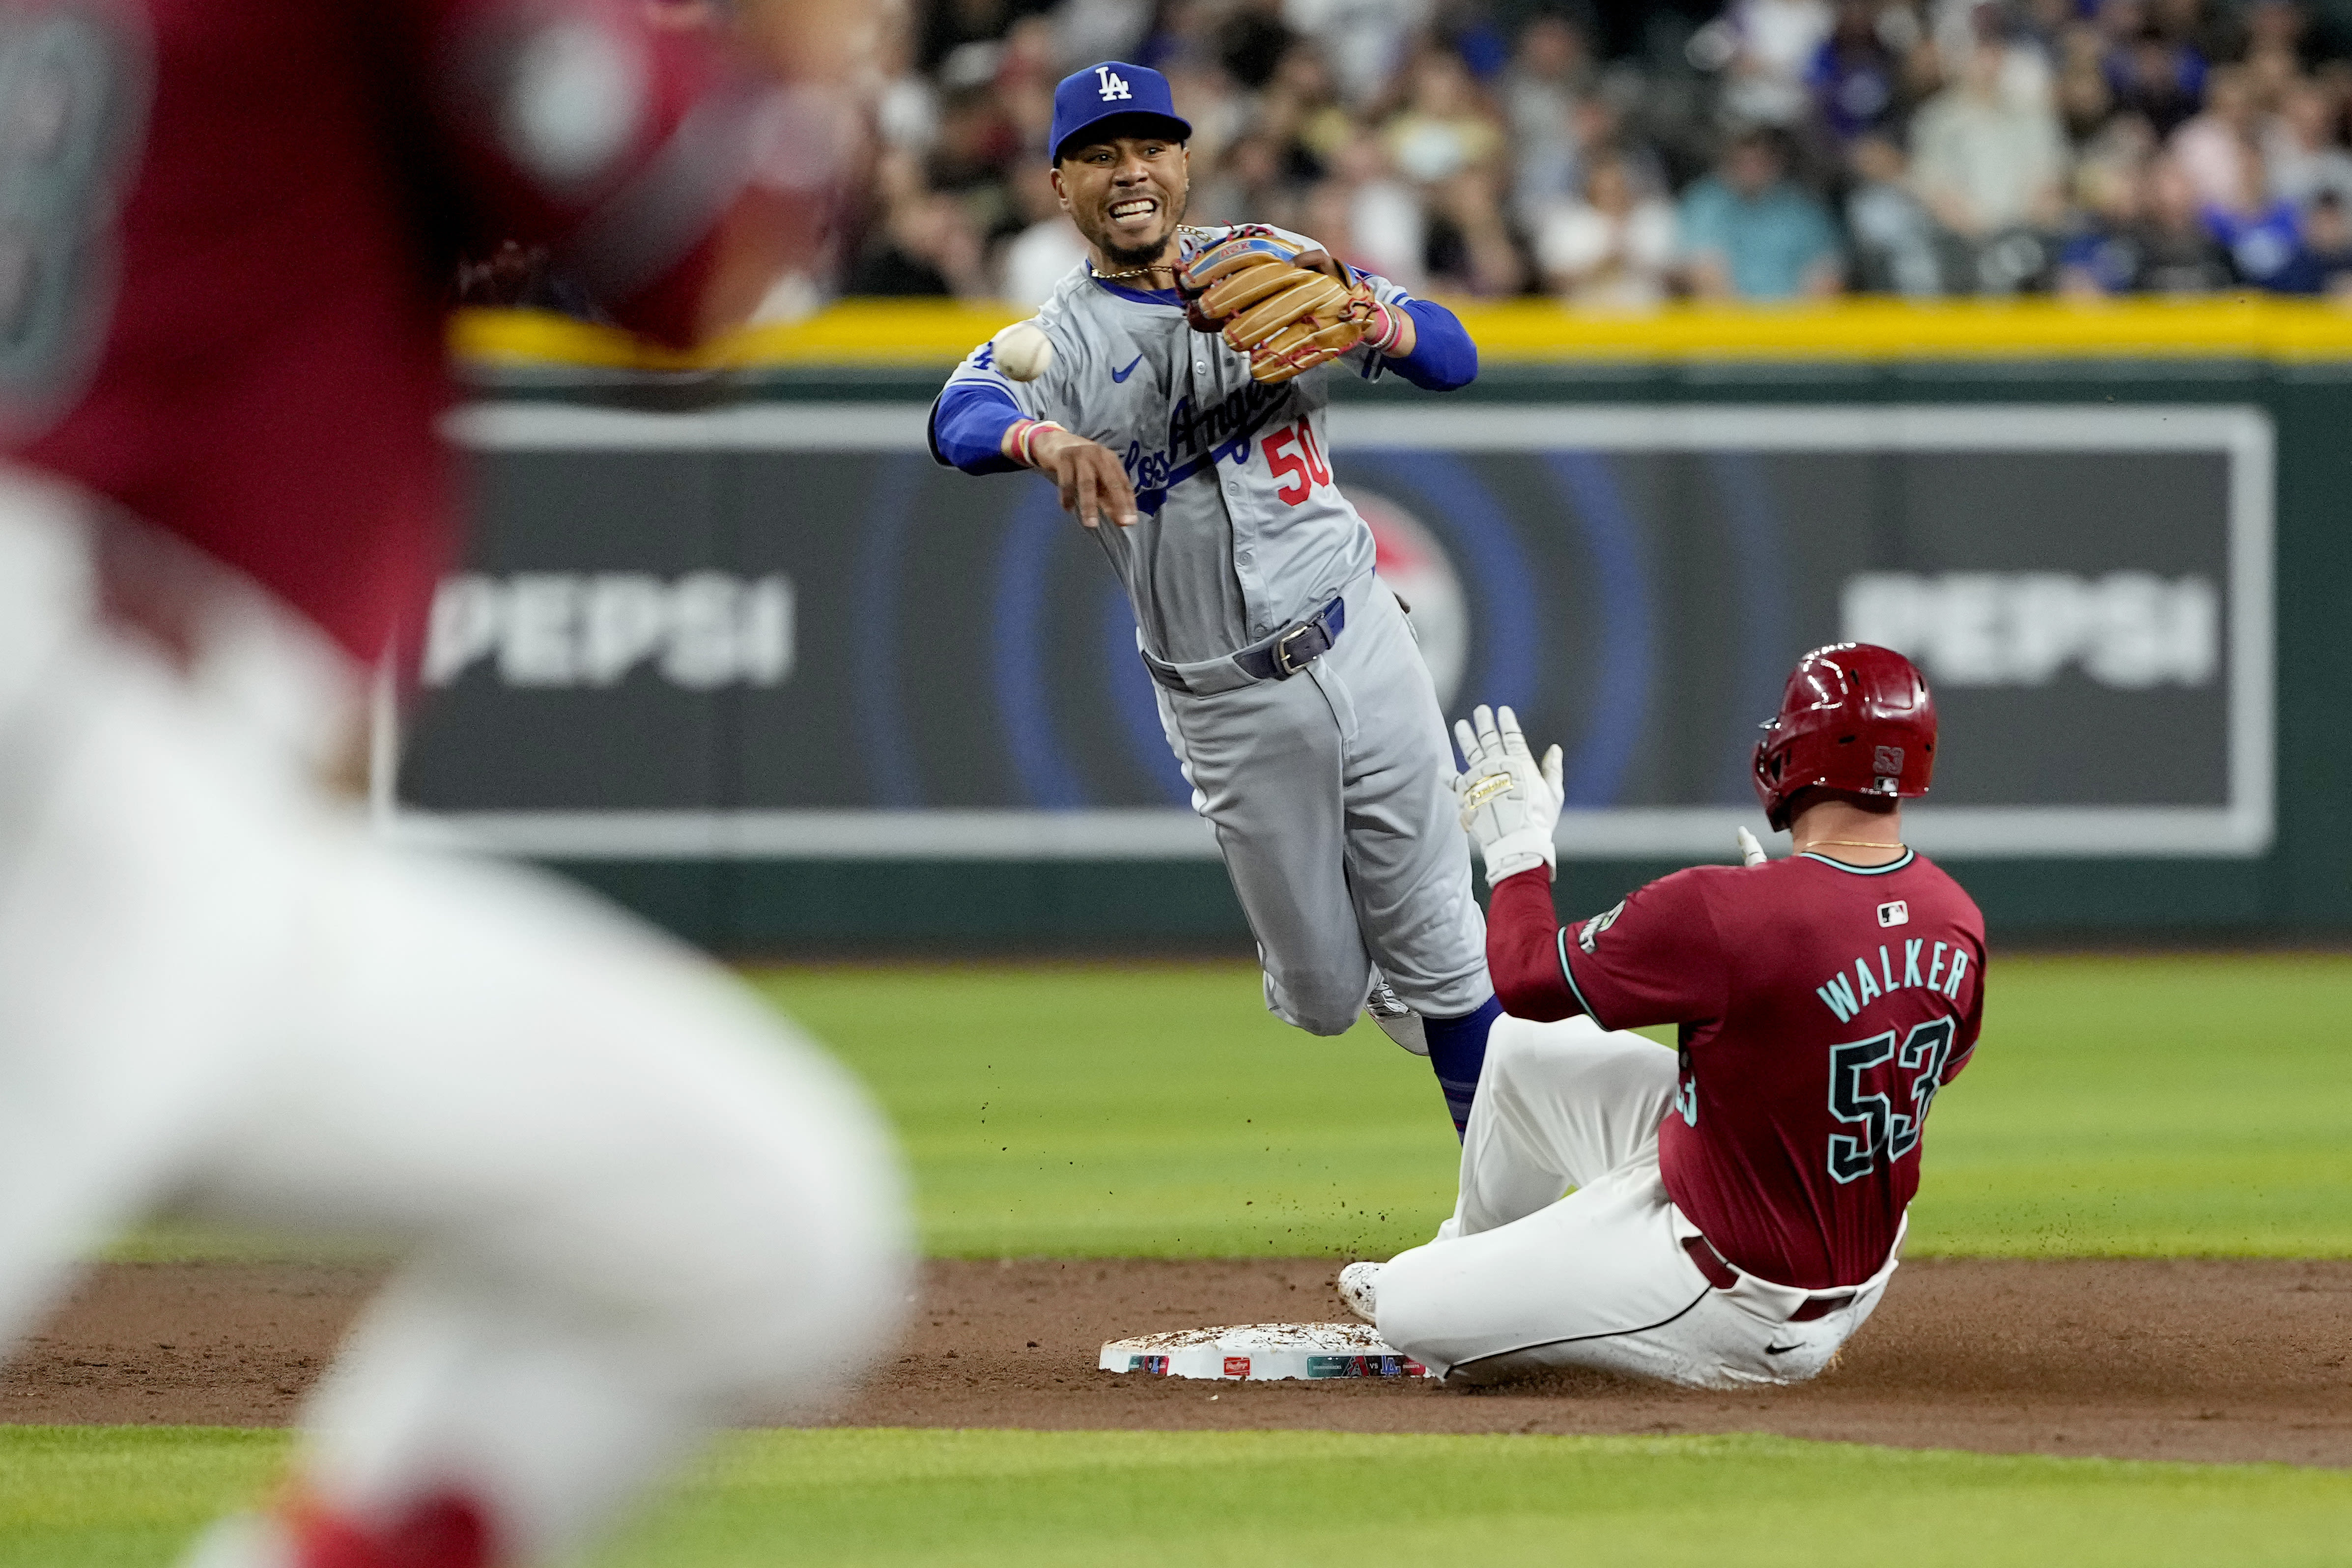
{"type": "Point", "coordinates": [731, 649]}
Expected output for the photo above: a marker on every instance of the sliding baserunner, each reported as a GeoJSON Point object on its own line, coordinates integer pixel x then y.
{"type": "Point", "coordinates": [1738, 1205]}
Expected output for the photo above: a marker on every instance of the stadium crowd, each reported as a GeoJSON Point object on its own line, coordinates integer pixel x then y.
{"type": "Point", "coordinates": [1621, 156]}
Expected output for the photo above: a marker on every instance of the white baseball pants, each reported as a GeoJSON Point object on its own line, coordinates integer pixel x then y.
{"type": "Point", "coordinates": [1522, 1280]}
{"type": "Point", "coordinates": [629, 1205]}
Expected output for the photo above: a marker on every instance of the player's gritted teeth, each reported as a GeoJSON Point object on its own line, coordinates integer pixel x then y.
{"type": "Point", "coordinates": [1126, 196]}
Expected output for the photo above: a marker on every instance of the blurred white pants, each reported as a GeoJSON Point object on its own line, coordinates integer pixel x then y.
{"type": "Point", "coordinates": [1522, 1280]}
{"type": "Point", "coordinates": [629, 1204]}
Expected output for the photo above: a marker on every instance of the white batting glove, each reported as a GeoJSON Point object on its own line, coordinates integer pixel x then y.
{"type": "Point", "coordinates": [1750, 852]}
{"type": "Point", "coordinates": [1510, 804]}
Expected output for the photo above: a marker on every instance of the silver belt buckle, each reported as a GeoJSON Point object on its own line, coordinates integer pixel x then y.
{"type": "Point", "coordinates": [1282, 648]}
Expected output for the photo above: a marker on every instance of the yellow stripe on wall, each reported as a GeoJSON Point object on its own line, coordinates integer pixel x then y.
{"type": "Point", "coordinates": [880, 334]}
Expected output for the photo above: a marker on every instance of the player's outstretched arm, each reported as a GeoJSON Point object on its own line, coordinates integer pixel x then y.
{"type": "Point", "coordinates": [1510, 804]}
{"type": "Point", "coordinates": [1092, 480]}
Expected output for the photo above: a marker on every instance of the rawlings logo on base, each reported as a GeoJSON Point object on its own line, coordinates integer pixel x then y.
{"type": "Point", "coordinates": [1263, 1352]}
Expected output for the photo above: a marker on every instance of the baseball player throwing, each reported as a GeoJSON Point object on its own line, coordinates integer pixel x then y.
{"type": "Point", "coordinates": [628, 1205]}
{"type": "Point", "coordinates": [1739, 1205]}
{"type": "Point", "coordinates": [1178, 403]}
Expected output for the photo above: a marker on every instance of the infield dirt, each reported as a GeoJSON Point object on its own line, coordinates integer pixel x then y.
{"type": "Point", "coordinates": [2180, 1359]}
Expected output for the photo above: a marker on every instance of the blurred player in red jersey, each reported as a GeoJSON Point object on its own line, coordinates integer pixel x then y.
{"type": "Point", "coordinates": [629, 1205]}
{"type": "Point", "coordinates": [1738, 1205]}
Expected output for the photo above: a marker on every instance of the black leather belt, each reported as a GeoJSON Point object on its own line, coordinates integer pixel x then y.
{"type": "Point", "coordinates": [1283, 654]}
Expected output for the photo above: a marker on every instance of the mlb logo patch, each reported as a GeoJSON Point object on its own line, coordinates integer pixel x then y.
{"type": "Point", "coordinates": [1894, 913]}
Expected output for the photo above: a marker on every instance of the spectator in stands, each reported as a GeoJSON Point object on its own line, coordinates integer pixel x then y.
{"type": "Point", "coordinates": [1443, 132]}
{"type": "Point", "coordinates": [2081, 93]}
{"type": "Point", "coordinates": [2210, 147]}
{"type": "Point", "coordinates": [1102, 29]}
{"type": "Point", "coordinates": [1898, 248]}
{"type": "Point", "coordinates": [925, 244]}
{"type": "Point", "coordinates": [2263, 233]}
{"type": "Point", "coordinates": [1251, 42]}
{"type": "Point", "coordinates": [2300, 153]}
{"type": "Point", "coordinates": [1748, 232]}
{"type": "Point", "coordinates": [1614, 247]}
{"type": "Point", "coordinates": [2324, 263]}
{"type": "Point", "coordinates": [1365, 40]}
{"type": "Point", "coordinates": [1366, 216]}
{"type": "Point", "coordinates": [2151, 76]}
{"type": "Point", "coordinates": [1207, 97]}
{"type": "Point", "coordinates": [1247, 185]}
{"type": "Point", "coordinates": [973, 157]}
{"type": "Point", "coordinates": [1989, 164]}
{"type": "Point", "coordinates": [1470, 248]}
{"type": "Point", "coordinates": [1475, 179]}
{"type": "Point", "coordinates": [1856, 76]}
{"type": "Point", "coordinates": [1034, 260]}
{"type": "Point", "coordinates": [2110, 172]}
{"type": "Point", "coordinates": [1026, 72]}
{"type": "Point", "coordinates": [1543, 93]}
{"type": "Point", "coordinates": [1775, 43]}
{"type": "Point", "coordinates": [2151, 240]}
{"type": "Point", "coordinates": [1300, 113]}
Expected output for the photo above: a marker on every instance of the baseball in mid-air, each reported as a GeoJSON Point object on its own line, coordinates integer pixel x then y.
{"type": "Point", "coordinates": [1023, 350]}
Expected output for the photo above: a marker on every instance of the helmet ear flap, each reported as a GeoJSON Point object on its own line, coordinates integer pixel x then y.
{"type": "Point", "coordinates": [1770, 763]}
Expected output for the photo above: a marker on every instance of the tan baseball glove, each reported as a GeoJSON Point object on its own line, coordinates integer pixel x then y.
{"type": "Point", "coordinates": [1289, 309]}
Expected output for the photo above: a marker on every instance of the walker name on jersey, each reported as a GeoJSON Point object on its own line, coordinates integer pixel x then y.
{"type": "Point", "coordinates": [555, 629]}
{"type": "Point", "coordinates": [2130, 630]}
{"type": "Point", "coordinates": [1945, 965]}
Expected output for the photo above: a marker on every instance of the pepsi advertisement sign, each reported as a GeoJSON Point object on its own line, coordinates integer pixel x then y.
{"type": "Point", "coordinates": [782, 630]}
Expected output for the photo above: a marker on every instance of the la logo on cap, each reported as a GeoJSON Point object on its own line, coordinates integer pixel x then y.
{"type": "Point", "coordinates": [1113, 84]}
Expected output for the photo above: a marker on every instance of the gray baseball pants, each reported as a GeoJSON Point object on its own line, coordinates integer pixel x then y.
{"type": "Point", "coordinates": [1330, 797]}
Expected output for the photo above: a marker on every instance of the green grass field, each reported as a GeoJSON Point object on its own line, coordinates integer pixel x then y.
{"type": "Point", "coordinates": [115, 1497]}
{"type": "Point", "coordinates": [2119, 1105]}
{"type": "Point", "coordinates": [2138, 1106]}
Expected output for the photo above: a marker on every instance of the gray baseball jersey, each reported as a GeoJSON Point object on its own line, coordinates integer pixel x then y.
{"type": "Point", "coordinates": [1328, 790]}
{"type": "Point", "coordinates": [1241, 529]}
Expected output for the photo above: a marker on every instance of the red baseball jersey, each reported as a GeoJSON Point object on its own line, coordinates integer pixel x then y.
{"type": "Point", "coordinates": [1822, 1006]}
{"type": "Point", "coordinates": [230, 225]}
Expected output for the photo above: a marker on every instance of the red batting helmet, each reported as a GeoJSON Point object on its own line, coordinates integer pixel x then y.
{"type": "Point", "coordinates": [1856, 718]}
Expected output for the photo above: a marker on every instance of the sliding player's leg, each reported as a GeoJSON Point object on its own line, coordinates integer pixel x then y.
{"type": "Point", "coordinates": [1560, 1105]}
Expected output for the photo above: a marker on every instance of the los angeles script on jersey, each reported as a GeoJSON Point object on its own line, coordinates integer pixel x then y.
{"type": "Point", "coordinates": [1945, 966]}
{"type": "Point", "coordinates": [1224, 428]}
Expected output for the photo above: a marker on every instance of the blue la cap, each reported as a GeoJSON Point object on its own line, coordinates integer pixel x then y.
{"type": "Point", "coordinates": [1111, 91]}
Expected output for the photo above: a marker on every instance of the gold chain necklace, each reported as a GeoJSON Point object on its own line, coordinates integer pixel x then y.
{"type": "Point", "coordinates": [1100, 276]}
{"type": "Point", "coordinates": [1852, 844]}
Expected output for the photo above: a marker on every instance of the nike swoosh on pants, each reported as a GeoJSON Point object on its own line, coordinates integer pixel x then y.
{"type": "Point", "coordinates": [1123, 374]}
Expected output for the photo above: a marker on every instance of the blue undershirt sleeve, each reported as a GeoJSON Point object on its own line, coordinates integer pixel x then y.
{"type": "Point", "coordinates": [967, 426]}
{"type": "Point", "coordinates": [1443, 355]}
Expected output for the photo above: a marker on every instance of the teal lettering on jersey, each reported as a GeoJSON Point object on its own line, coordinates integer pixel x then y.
{"type": "Point", "coordinates": [1869, 982]}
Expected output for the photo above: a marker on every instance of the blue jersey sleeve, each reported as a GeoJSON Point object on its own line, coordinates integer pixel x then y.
{"type": "Point", "coordinates": [1443, 355]}
{"type": "Point", "coordinates": [967, 427]}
